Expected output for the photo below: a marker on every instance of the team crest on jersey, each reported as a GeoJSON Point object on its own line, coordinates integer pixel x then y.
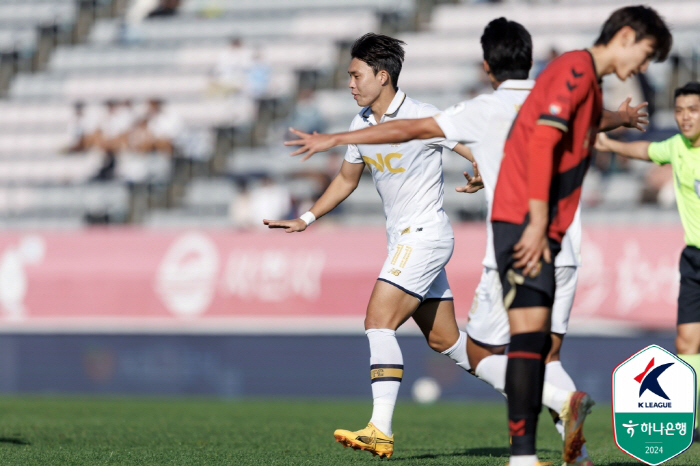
{"type": "Point", "coordinates": [554, 109]}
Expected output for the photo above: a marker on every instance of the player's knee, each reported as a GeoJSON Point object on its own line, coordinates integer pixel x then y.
{"type": "Point", "coordinates": [377, 322]}
{"type": "Point", "coordinates": [437, 343]}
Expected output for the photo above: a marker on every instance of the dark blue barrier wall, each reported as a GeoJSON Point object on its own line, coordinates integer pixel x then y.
{"type": "Point", "coordinates": [234, 366]}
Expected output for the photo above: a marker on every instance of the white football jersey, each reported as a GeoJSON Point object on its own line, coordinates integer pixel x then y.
{"type": "Point", "coordinates": [482, 124]}
{"type": "Point", "coordinates": [408, 176]}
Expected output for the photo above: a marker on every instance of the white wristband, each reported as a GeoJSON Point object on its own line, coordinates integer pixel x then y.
{"type": "Point", "coordinates": [308, 217]}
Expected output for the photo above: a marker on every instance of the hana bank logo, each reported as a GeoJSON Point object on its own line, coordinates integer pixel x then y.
{"type": "Point", "coordinates": [194, 270]}
{"type": "Point", "coordinates": [649, 381]}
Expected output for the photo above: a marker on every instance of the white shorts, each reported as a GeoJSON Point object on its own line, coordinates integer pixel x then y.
{"type": "Point", "coordinates": [488, 319]}
{"type": "Point", "coordinates": [416, 265]}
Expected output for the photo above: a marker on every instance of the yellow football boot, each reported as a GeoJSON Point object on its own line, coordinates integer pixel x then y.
{"type": "Point", "coordinates": [370, 438]}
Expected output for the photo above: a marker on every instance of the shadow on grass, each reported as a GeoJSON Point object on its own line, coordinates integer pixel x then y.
{"type": "Point", "coordinates": [498, 452]}
{"type": "Point", "coordinates": [14, 441]}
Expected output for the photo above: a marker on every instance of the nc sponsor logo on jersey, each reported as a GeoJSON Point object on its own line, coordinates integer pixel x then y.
{"type": "Point", "coordinates": [384, 161]}
{"type": "Point", "coordinates": [653, 397]}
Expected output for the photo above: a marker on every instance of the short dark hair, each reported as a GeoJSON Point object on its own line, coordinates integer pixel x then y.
{"type": "Point", "coordinates": [507, 49]}
{"type": "Point", "coordinates": [380, 52]}
{"type": "Point", "coordinates": [646, 23]}
{"type": "Point", "coordinates": [689, 89]}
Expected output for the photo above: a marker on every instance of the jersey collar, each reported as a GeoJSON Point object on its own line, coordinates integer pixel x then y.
{"type": "Point", "coordinates": [517, 84]}
{"type": "Point", "coordinates": [394, 106]}
{"type": "Point", "coordinates": [396, 103]}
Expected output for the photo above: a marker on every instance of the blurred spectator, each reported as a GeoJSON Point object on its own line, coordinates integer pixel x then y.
{"type": "Point", "coordinates": [139, 9]}
{"type": "Point", "coordinates": [231, 67]}
{"type": "Point", "coordinates": [266, 199]}
{"type": "Point", "coordinates": [258, 76]}
{"type": "Point", "coordinates": [165, 8]}
{"type": "Point", "coordinates": [115, 126]}
{"type": "Point", "coordinates": [140, 138]}
{"type": "Point", "coordinates": [306, 115]}
{"type": "Point", "coordinates": [164, 125]}
{"type": "Point", "coordinates": [83, 128]}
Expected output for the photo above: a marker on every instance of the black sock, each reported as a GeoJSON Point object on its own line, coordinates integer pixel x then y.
{"type": "Point", "coordinates": [524, 381]}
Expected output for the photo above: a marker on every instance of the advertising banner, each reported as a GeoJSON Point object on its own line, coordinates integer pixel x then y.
{"type": "Point", "coordinates": [318, 281]}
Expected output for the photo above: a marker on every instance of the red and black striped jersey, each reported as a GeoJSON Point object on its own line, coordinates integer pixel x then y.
{"type": "Point", "coordinates": [566, 96]}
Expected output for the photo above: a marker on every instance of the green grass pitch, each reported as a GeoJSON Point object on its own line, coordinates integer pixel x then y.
{"type": "Point", "coordinates": [175, 431]}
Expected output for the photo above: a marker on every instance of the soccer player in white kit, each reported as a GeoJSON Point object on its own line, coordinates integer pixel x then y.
{"type": "Point", "coordinates": [482, 124]}
{"type": "Point", "coordinates": [420, 240]}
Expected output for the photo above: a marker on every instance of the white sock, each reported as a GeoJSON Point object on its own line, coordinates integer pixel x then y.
{"type": "Point", "coordinates": [523, 460]}
{"type": "Point", "coordinates": [554, 397]}
{"type": "Point", "coordinates": [557, 386]}
{"type": "Point", "coordinates": [386, 364]}
{"type": "Point", "coordinates": [458, 352]}
{"type": "Point", "coordinates": [556, 375]}
{"type": "Point", "coordinates": [492, 370]}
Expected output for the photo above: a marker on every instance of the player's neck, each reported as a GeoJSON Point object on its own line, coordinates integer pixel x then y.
{"type": "Point", "coordinates": [603, 58]}
{"type": "Point", "coordinates": [695, 141]}
{"type": "Point", "coordinates": [381, 105]}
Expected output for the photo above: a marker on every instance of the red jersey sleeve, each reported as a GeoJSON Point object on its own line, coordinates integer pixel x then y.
{"type": "Point", "coordinates": [566, 82]}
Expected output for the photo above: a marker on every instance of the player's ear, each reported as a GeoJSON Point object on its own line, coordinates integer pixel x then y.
{"type": "Point", "coordinates": [487, 68]}
{"type": "Point", "coordinates": [626, 36]}
{"type": "Point", "coordinates": [383, 77]}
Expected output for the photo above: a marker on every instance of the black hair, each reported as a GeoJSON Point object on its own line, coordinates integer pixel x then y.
{"type": "Point", "coordinates": [691, 88]}
{"type": "Point", "coordinates": [646, 23]}
{"type": "Point", "coordinates": [507, 49]}
{"type": "Point", "coordinates": [380, 52]}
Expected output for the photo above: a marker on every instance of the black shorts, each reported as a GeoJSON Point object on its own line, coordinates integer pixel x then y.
{"type": "Point", "coordinates": [689, 295]}
{"type": "Point", "coordinates": [518, 290]}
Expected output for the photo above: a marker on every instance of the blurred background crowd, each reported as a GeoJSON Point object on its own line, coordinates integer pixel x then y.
{"type": "Point", "coordinates": [174, 112]}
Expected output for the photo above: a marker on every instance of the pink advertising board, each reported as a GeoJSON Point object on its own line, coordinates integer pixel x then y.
{"type": "Point", "coordinates": [219, 281]}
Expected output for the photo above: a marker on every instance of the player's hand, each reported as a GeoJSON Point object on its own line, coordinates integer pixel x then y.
{"type": "Point", "coordinates": [633, 117]}
{"type": "Point", "coordinates": [531, 248]}
{"type": "Point", "coordinates": [290, 226]}
{"type": "Point", "coordinates": [474, 183]}
{"type": "Point", "coordinates": [602, 143]}
{"type": "Point", "coordinates": [310, 143]}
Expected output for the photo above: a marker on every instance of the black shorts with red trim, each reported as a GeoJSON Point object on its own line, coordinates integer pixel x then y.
{"type": "Point", "coordinates": [689, 294]}
{"type": "Point", "coordinates": [519, 290]}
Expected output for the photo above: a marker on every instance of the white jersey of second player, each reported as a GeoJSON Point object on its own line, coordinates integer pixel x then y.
{"type": "Point", "coordinates": [408, 176]}
{"type": "Point", "coordinates": [482, 124]}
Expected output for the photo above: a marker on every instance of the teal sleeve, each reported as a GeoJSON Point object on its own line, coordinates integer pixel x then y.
{"type": "Point", "coordinates": [662, 152]}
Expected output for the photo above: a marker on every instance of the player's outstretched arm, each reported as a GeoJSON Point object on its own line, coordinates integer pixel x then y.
{"type": "Point", "coordinates": [635, 150]}
{"type": "Point", "coordinates": [626, 115]}
{"type": "Point", "coordinates": [474, 183]}
{"type": "Point", "coordinates": [384, 133]}
{"type": "Point", "coordinates": [340, 188]}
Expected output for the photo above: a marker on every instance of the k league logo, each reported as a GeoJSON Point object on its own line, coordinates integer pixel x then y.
{"type": "Point", "coordinates": [653, 397]}
{"type": "Point", "coordinates": [649, 380]}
